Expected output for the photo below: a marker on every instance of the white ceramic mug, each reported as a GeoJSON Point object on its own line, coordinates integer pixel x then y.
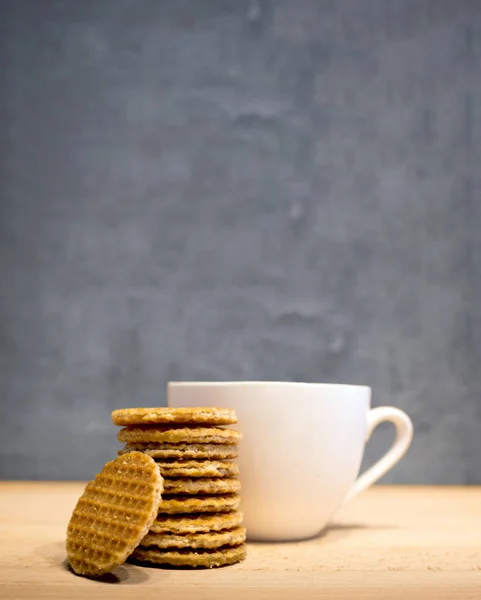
{"type": "Point", "coordinates": [301, 450]}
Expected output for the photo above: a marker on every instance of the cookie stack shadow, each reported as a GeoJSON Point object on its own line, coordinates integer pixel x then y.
{"type": "Point", "coordinates": [199, 523]}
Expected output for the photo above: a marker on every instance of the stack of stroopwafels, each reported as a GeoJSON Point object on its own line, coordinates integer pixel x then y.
{"type": "Point", "coordinates": [198, 523]}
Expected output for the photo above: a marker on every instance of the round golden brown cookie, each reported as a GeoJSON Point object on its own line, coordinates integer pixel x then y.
{"type": "Point", "coordinates": [201, 485]}
{"type": "Point", "coordinates": [162, 415]}
{"type": "Point", "coordinates": [184, 451]}
{"type": "Point", "coordinates": [208, 540]}
{"type": "Point", "coordinates": [198, 468]}
{"type": "Point", "coordinates": [196, 523]}
{"type": "Point", "coordinates": [172, 434]}
{"type": "Point", "coordinates": [191, 558]}
{"type": "Point", "coordinates": [199, 504]}
{"type": "Point", "coordinates": [113, 514]}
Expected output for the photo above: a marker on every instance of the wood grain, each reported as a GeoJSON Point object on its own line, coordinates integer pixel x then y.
{"type": "Point", "coordinates": [393, 542]}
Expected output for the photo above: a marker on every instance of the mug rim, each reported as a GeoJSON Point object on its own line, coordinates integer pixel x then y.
{"type": "Point", "coordinates": [252, 383]}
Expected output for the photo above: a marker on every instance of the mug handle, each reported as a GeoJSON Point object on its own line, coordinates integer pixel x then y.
{"type": "Point", "coordinates": [404, 435]}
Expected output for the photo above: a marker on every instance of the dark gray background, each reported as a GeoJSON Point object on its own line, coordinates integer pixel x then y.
{"type": "Point", "coordinates": [238, 190]}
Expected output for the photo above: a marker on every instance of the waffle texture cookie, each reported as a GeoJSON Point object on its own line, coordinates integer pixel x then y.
{"type": "Point", "coordinates": [199, 504]}
{"type": "Point", "coordinates": [184, 451]}
{"type": "Point", "coordinates": [198, 468]}
{"type": "Point", "coordinates": [207, 540]}
{"type": "Point", "coordinates": [196, 523]}
{"type": "Point", "coordinates": [158, 415]}
{"type": "Point", "coordinates": [173, 434]}
{"type": "Point", "coordinates": [191, 558]}
{"type": "Point", "coordinates": [202, 485]}
{"type": "Point", "coordinates": [114, 513]}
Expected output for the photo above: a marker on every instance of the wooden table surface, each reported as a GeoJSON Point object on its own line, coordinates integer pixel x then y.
{"type": "Point", "coordinates": [391, 542]}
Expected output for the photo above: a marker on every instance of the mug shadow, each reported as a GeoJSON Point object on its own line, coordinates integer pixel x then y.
{"type": "Point", "coordinates": [332, 532]}
{"type": "Point", "coordinates": [335, 531]}
{"type": "Point", "coordinates": [55, 555]}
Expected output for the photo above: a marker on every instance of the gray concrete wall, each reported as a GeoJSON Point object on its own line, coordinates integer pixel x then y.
{"type": "Point", "coordinates": [238, 190]}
